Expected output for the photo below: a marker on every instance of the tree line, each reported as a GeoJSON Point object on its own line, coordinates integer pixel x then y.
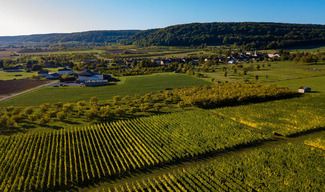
{"type": "Point", "coordinates": [208, 96]}
{"type": "Point", "coordinates": [248, 34]}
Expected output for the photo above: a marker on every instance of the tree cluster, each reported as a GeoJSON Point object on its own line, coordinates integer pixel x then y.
{"type": "Point", "coordinates": [251, 35]}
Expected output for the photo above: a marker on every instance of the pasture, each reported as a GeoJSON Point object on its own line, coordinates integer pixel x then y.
{"type": "Point", "coordinates": [22, 74]}
{"type": "Point", "coordinates": [279, 71]}
{"type": "Point", "coordinates": [128, 86]}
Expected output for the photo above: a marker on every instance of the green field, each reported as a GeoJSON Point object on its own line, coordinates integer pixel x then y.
{"type": "Point", "coordinates": [285, 117]}
{"type": "Point", "coordinates": [194, 150]}
{"type": "Point", "coordinates": [120, 147]}
{"type": "Point", "coordinates": [317, 84]}
{"type": "Point", "coordinates": [278, 71]}
{"type": "Point", "coordinates": [16, 75]}
{"type": "Point", "coordinates": [23, 74]}
{"type": "Point", "coordinates": [308, 48]}
{"type": "Point", "coordinates": [292, 167]}
{"type": "Point", "coordinates": [128, 86]}
{"type": "Point", "coordinates": [266, 146]}
{"type": "Point", "coordinates": [81, 51]}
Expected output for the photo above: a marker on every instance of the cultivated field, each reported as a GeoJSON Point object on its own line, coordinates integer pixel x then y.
{"type": "Point", "coordinates": [118, 156]}
{"type": "Point", "coordinates": [128, 86]}
{"type": "Point", "coordinates": [144, 134]}
{"type": "Point", "coordinates": [14, 86]}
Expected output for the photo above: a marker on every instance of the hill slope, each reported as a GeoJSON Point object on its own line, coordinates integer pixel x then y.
{"type": "Point", "coordinates": [254, 35]}
{"type": "Point", "coordinates": [83, 37]}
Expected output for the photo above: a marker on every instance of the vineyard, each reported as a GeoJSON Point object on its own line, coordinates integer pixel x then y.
{"type": "Point", "coordinates": [80, 157]}
{"type": "Point", "coordinates": [317, 143]}
{"type": "Point", "coordinates": [293, 167]}
{"type": "Point", "coordinates": [285, 117]}
{"type": "Point", "coordinates": [58, 160]}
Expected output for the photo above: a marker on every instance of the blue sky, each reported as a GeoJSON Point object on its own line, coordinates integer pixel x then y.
{"type": "Point", "coordinates": [22, 17]}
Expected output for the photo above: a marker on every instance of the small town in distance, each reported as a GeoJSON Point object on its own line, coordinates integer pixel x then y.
{"type": "Point", "coordinates": [236, 104]}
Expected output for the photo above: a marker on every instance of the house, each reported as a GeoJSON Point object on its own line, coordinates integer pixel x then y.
{"type": "Point", "coordinates": [43, 73]}
{"type": "Point", "coordinates": [95, 83]}
{"type": "Point", "coordinates": [88, 62]}
{"type": "Point", "coordinates": [232, 61]}
{"type": "Point", "coordinates": [304, 90]}
{"type": "Point", "coordinates": [53, 76]}
{"type": "Point", "coordinates": [272, 55]}
{"type": "Point", "coordinates": [158, 61]}
{"type": "Point", "coordinates": [65, 70]}
{"type": "Point", "coordinates": [89, 75]}
{"type": "Point", "coordinates": [165, 62]}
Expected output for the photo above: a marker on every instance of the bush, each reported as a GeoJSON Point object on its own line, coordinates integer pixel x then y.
{"type": "Point", "coordinates": [68, 107]}
{"type": "Point", "coordinates": [61, 115]}
{"type": "Point", "coordinates": [93, 101]}
{"type": "Point", "coordinates": [32, 117]}
{"type": "Point", "coordinates": [44, 120]}
{"type": "Point", "coordinates": [28, 111]}
{"type": "Point", "coordinates": [45, 107]}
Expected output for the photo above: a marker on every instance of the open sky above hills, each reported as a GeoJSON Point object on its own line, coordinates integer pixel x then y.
{"type": "Point", "coordinates": [20, 17]}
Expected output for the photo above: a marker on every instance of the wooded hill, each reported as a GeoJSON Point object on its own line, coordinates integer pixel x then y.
{"type": "Point", "coordinates": [250, 34]}
{"type": "Point", "coordinates": [82, 37]}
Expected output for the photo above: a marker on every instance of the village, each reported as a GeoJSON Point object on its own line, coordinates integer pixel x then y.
{"type": "Point", "coordinates": [92, 72]}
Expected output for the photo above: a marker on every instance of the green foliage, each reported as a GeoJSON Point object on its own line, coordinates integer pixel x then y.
{"type": "Point", "coordinates": [28, 111]}
{"type": "Point", "coordinates": [61, 115]}
{"type": "Point", "coordinates": [225, 94]}
{"type": "Point", "coordinates": [251, 35]}
{"type": "Point", "coordinates": [32, 117]}
{"type": "Point", "coordinates": [93, 101]}
{"type": "Point", "coordinates": [128, 86]}
{"type": "Point", "coordinates": [285, 117]}
{"type": "Point", "coordinates": [288, 168]}
{"type": "Point", "coordinates": [74, 157]}
{"type": "Point", "coordinates": [45, 120]}
{"type": "Point", "coordinates": [68, 107]}
{"type": "Point", "coordinates": [81, 37]}
{"type": "Point", "coordinates": [45, 107]}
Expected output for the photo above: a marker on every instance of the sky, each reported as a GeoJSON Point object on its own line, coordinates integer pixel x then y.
{"type": "Point", "coordinates": [24, 17]}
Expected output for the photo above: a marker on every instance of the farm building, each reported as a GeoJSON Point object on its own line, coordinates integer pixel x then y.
{"type": "Point", "coordinates": [95, 83]}
{"type": "Point", "coordinates": [304, 90]}
{"type": "Point", "coordinates": [53, 76]}
{"type": "Point", "coordinates": [43, 73]}
{"type": "Point", "coordinates": [65, 70]}
{"type": "Point", "coordinates": [232, 61]}
{"type": "Point", "coordinates": [89, 75]}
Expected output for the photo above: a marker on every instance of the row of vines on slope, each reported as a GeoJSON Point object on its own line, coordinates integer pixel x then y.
{"type": "Point", "coordinates": [292, 167]}
{"type": "Point", "coordinates": [285, 117]}
{"type": "Point", "coordinates": [73, 157]}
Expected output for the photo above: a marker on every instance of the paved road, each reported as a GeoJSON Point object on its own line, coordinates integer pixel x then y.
{"type": "Point", "coordinates": [16, 94]}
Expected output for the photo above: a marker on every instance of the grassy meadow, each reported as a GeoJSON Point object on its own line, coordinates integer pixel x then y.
{"type": "Point", "coordinates": [16, 75]}
{"type": "Point", "coordinates": [127, 86]}
{"type": "Point", "coordinates": [279, 71]}
{"type": "Point", "coordinates": [22, 74]}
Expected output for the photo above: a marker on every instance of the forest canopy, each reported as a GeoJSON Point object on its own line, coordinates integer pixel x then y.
{"type": "Point", "coordinates": [249, 34]}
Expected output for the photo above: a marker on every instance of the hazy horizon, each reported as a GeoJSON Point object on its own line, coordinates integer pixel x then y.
{"type": "Point", "coordinates": [18, 17]}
